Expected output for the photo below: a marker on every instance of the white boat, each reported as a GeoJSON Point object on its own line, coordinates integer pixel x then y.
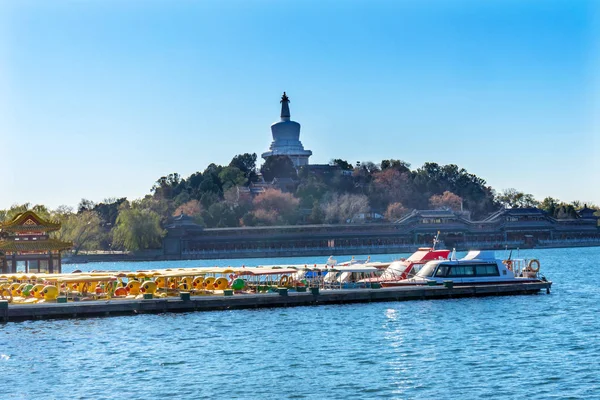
{"type": "Point", "coordinates": [350, 276]}
{"type": "Point", "coordinates": [477, 268]}
{"type": "Point", "coordinates": [332, 262]}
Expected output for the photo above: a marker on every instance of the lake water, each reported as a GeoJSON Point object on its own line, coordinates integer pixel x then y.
{"type": "Point", "coordinates": [537, 347]}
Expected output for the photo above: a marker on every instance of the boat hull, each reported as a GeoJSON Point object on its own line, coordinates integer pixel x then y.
{"type": "Point", "coordinates": [458, 283]}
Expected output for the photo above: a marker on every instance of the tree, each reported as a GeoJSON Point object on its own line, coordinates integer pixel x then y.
{"type": "Point", "coordinates": [85, 205]}
{"type": "Point", "coordinates": [109, 209]}
{"type": "Point", "coordinates": [389, 186]}
{"type": "Point", "coordinates": [231, 177]}
{"type": "Point", "coordinates": [137, 229]}
{"type": "Point", "coordinates": [395, 211]}
{"type": "Point", "coordinates": [432, 179]}
{"type": "Point", "coordinates": [192, 208]}
{"type": "Point", "coordinates": [369, 167]}
{"type": "Point", "coordinates": [247, 164]}
{"type": "Point", "coordinates": [167, 187]}
{"type": "Point", "coordinates": [162, 207]}
{"type": "Point", "coordinates": [208, 199]}
{"type": "Point", "coordinates": [343, 164]}
{"type": "Point", "coordinates": [234, 198]}
{"type": "Point", "coordinates": [260, 218]}
{"type": "Point", "coordinates": [220, 215]}
{"type": "Point", "coordinates": [317, 215]}
{"type": "Point", "coordinates": [512, 198]}
{"type": "Point", "coordinates": [446, 200]}
{"type": "Point", "coordinates": [285, 205]}
{"type": "Point", "coordinates": [311, 190]}
{"type": "Point", "coordinates": [549, 205]}
{"type": "Point", "coordinates": [342, 209]}
{"type": "Point", "coordinates": [16, 209]}
{"type": "Point", "coordinates": [84, 229]}
{"type": "Point", "coordinates": [399, 165]}
{"type": "Point", "coordinates": [278, 167]}
{"type": "Point", "coordinates": [565, 211]}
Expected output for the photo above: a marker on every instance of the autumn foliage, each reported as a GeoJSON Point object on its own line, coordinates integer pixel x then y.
{"type": "Point", "coordinates": [446, 200]}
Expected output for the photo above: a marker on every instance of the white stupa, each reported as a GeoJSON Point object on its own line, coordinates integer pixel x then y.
{"type": "Point", "coordinates": [286, 137]}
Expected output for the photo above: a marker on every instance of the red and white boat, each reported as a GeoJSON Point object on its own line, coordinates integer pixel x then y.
{"type": "Point", "coordinates": [407, 268]}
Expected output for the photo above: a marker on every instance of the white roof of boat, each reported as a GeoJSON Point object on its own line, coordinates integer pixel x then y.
{"type": "Point", "coordinates": [480, 255]}
{"type": "Point", "coordinates": [354, 268]}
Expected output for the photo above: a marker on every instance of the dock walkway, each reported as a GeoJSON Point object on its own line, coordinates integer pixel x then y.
{"type": "Point", "coordinates": [83, 309]}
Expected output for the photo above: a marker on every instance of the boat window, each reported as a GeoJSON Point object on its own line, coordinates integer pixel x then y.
{"type": "Point", "coordinates": [427, 270]}
{"type": "Point", "coordinates": [486, 270]}
{"type": "Point", "coordinates": [442, 270]}
{"type": "Point", "coordinates": [462, 270]}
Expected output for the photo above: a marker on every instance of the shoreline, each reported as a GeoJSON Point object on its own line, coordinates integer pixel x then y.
{"type": "Point", "coordinates": [231, 255]}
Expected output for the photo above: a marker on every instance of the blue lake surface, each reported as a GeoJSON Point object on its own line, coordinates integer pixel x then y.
{"type": "Point", "coordinates": [538, 347]}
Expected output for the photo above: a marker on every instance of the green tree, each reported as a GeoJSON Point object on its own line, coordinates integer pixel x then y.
{"type": "Point", "coordinates": [278, 167]}
{"type": "Point", "coordinates": [513, 198]}
{"type": "Point", "coordinates": [343, 164]}
{"type": "Point", "coordinates": [84, 229]}
{"type": "Point", "coordinates": [109, 209]}
{"type": "Point", "coordinates": [220, 215]}
{"type": "Point", "coordinates": [399, 165]}
{"type": "Point", "coordinates": [549, 205]}
{"type": "Point", "coordinates": [565, 211]}
{"type": "Point", "coordinates": [85, 205]}
{"type": "Point", "coordinates": [162, 207]}
{"type": "Point", "coordinates": [231, 177]}
{"type": "Point", "coordinates": [317, 215]}
{"type": "Point", "coordinates": [167, 187]}
{"type": "Point", "coordinates": [137, 229]}
{"type": "Point", "coordinates": [16, 209]}
{"type": "Point", "coordinates": [247, 164]}
{"type": "Point", "coordinates": [310, 190]}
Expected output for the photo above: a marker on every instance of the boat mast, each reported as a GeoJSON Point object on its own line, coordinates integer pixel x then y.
{"type": "Point", "coordinates": [435, 240]}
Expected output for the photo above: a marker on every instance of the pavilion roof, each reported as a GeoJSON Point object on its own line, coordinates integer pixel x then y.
{"type": "Point", "coordinates": [34, 245]}
{"type": "Point", "coordinates": [29, 221]}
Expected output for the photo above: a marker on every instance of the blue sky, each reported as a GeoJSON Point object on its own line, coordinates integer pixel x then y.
{"type": "Point", "coordinates": [100, 98]}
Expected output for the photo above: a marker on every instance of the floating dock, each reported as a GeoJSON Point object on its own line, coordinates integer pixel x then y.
{"type": "Point", "coordinates": [97, 308]}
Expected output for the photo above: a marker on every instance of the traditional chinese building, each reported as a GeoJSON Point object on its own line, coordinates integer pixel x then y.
{"type": "Point", "coordinates": [513, 228]}
{"type": "Point", "coordinates": [26, 239]}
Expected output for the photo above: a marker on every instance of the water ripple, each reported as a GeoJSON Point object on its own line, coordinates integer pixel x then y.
{"type": "Point", "coordinates": [480, 348]}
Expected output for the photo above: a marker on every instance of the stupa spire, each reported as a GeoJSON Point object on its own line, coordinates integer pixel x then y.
{"type": "Point", "coordinates": [285, 108]}
{"type": "Point", "coordinates": [286, 137]}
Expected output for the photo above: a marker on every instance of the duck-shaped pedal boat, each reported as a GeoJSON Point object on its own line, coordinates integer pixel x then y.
{"type": "Point", "coordinates": [133, 289]}
{"type": "Point", "coordinates": [50, 294]}
{"type": "Point", "coordinates": [148, 287]}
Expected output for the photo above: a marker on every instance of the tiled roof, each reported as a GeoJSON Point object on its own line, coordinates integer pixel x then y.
{"type": "Point", "coordinates": [29, 221]}
{"type": "Point", "coordinates": [34, 245]}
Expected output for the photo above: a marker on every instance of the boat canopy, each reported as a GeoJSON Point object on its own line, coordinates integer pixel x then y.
{"type": "Point", "coordinates": [265, 271]}
{"type": "Point", "coordinates": [354, 268]}
{"type": "Point", "coordinates": [480, 255]}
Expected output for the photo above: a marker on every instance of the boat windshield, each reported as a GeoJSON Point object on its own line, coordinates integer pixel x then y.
{"type": "Point", "coordinates": [395, 269]}
{"type": "Point", "coordinates": [427, 270]}
{"type": "Point", "coordinates": [418, 255]}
